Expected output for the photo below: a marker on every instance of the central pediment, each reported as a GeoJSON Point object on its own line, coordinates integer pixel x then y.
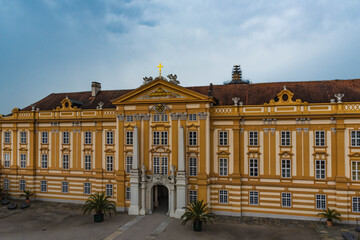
{"type": "Point", "coordinates": [160, 89]}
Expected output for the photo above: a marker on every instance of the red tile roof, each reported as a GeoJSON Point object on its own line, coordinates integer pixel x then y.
{"type": "Point", "coordinates": [249, 94]}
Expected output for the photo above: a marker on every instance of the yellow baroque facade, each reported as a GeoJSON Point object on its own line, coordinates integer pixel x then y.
{"type": "Point", "coordinates": [285, 157]}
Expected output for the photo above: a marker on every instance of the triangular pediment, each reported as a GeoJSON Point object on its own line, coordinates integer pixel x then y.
{"type": "Point", "coordinates": [161, 90]}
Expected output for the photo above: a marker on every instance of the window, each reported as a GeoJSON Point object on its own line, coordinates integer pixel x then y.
{"type": "Point", "coordinates": [164, 165]}
{"type": "Point", "coordinates": [44, 161]}
{"type": "Point", "coordinates": [163, 140]}
{"type": "Point", "coordinates": [285, 138]}
{"type": "Point", "coordinates": [156, 118]}
{"type": "Point", "coordinates": [253, 164]}
{"type": "Point", "coordinates": [6, 184]}
{"type": "Point", "coordinates": [43, 186]}
{"type": "Point", "coordinates": [193, 166]}
{"type": "Point", "coordinates": [66, 138]}
{"type": "Point", "coordinates": [192, 138]}
{"type": "Point", "coordinates": [22, 185]}
{"type": "Point", "coordinates": [87, 164]}
{"type": "Point", "coordinates": [355, 204]}
{"type": "Point", "coordinates": [7, 160]}
{"type": "Point", "coordinates": [254, 198]}
{"type": "Point", "coordinates": [129, 118]}
{"type": "Point", "coordinates": [286, 199]}
{"type": "Point", "coordinates": [285, 168]}
{"type": "Point", "coordinates": [44, 138]}
{"type": "Point", "coordinates": [109, 163]}
{"type": "Point", "coordinates": [128, 193]}
{"type": "Point", "coordinates": [320, 169]}
{"type": "Point", "coordinates": [87, 188]}
{"type": "Point", "coordinates": [223, 166]}
{"type": "Point", "coordinates": [160, 118]}
{"type": "Point", "coordinates": [192, 196]}
{"type": "Point", "coordinates": [223, 138]}
{"type": "Point", "coordinates": [319, 138]}
{"type": "Point", "coordinates": [253, 138]}
{"type": "Point", "coordinates": [109, 190]}
{"type": "Point", "coordinates": [355, 170]}
{"type": "Point", "coordinates": [7, 137]}
{"type": "Point", "coordinates": [110, 137]}
{"type": "Point", "coordinates": [65, 161]}
{"type": "Point", "coordinates": [320, 201]}
{"type": "Point", "coordinates": [22, 160]}
{"type": "Point", "coordinates": [156, 162]}
{"type": "Point", "coordinates": [129, 160]}
{"type": "Point", "coordinates": [65, 187]}
{"type": "Point", "coordinates": [223, 196]}
{"type": "Point", "coordinates": [87, 137]}
{"type": "Point", "coordinates": [23, 137]}
{"type": "Point", "coordinates": [355, 138]}
{"type": "Point", "coordinates": [129, 138]}
{"type": "Point", "coordinates": [192, 117]}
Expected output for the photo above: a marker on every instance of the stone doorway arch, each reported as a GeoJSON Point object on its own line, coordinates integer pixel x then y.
{"type": "Point", "coordinates": [160, 199]}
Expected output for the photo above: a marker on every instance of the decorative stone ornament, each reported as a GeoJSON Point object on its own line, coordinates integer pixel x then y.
{"type": "Point", "coordinates": [339, 96]}
{"type": "Point", "coordinates": [160, 107]}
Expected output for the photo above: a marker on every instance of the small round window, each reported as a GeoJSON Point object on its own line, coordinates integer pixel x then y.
{"type": "Point", "coordinates": [66, 104]}
{"type": "Point", "coordinates": [285, 97]}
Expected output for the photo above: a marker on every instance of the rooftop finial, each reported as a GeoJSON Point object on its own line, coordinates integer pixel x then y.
{"type": "Point", "coordinates": [160, 67]}
{"type": "Point", "coordinates": [285, 87]}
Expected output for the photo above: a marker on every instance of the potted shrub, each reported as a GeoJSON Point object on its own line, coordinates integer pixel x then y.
{"type": "Point", "coordinates": [27, 194]}
{"type": "Point", "coordinates": [330, 215]}
{"type": "Point", "coordinates": [198, 213]}
{"type": "Point", "coordinates": [5, 195]}
{"type": "Point", "coordinates": [100, 204]}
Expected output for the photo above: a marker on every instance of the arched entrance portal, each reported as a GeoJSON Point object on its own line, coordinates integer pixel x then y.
{"type": "Point", "coordinates": [160, 199]}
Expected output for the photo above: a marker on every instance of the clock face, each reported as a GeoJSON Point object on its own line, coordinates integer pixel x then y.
{"type": "Point", "coordinates": [160, 107]}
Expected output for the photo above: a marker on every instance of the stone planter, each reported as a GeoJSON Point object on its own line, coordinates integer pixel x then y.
{"type": "Point", "coordinates": [197, 225]}
{"type": "Point", "coordinates": [99, 217]}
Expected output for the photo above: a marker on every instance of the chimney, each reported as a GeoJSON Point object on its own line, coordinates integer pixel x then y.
{"type": "Point", "coordinates": [95, 88]}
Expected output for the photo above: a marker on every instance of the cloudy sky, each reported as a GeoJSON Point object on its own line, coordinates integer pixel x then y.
{"type": "Point", "coordinates": [51, 46]}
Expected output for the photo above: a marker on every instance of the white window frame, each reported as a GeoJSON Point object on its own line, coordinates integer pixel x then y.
{"type": "Point", "coordinates": [253, 138]}
{"type": "Point", "coordinates": [88, 137]}
{"type": "Point", "coordinates": [109, 137]}
{"type": "Point", "coordinates": [192, 196]}
{"type": "Point", "coordinates": [253, 167]}
{"type": "Point", "coordinates": [355, 138]}
{"type": "Point", "coordinates": [193, 166]}
{"type": "Point", "coordinates": [129, 137]}
{"type": "Point", "coordinates": [7, 137]}
{"type": "Point", "coordinates": [285, 138]}
{"type": "Point", "coordinates": [164, 165]}
{"type": "Point", "coordinates": [192, 117]}
{"type": "Point", "coordinates": [164, 117]}
{"type": "Point", "coordinates": [65, 161]}
{"type": "Point", "coordinates": [285, 168]}
{"type": "Point", "coordinates": [320, 169]}
{"type": "Point", "coordinates": [192, 138]}
{"type": "Point", "coordinates": [356, 204]}
{"type": "Point", "coordinates": [65, 187]}
{"type": "Point", "coordinates": [286, 199]}
{"type": "Point", "coordinates": [43, 186]}
{"type": "Point", "coordinates": [109, 190]}
{"type": "Point", "coordinates": [128, 193]}
{"type": "Point", "coordinates": [23, 137]}
{"type": "Point", "coordinates": [7, 160]}
{"type": "Point", "coordinates": [320, 201]}
{"type": "Point", "coordinates": [6, 184]}
{"type": "Point", "coordinates": [320, 138]}
{"type": "Point", "coordinates": [109, 163]}
{"type": "Point", "coordinates": [156, 118]}
{"type": "Point", "coordinates": [156, 138]}
{"type": "Point", "coordinates": [87, 188]}
{"type": "Point", "coordinates": [164, 138]}
{"type": "Point", "coordinates": [22, 184]}
{"type": "Point", "coordinates": [44, 137]}
{"type": "Point", "coordinates": [223, 166]}
{"type": "Point", "coordinates": [129, 161]}
{"type": "Point", "coordinates": [253, 198]}
{"type": "Point", "coordinates": [44, 161]}
{"type": "Point", "coordinates": [160, 138]}
{"type": "Point", "coordinates": [129, 118]}
{"type": "Point", "coordinates": [66, 137]}
{"type": "Point", "coordinates": [223, 196]}
{"type": "Point", "coordinates": [355, 172]}
{"type": "Point", "coordinates": [87, 162]}
{"type": "Point", "coordinates": [156, 165]}
{"type": "Point", "coordinates": [22, 160]}
{"type": "Point", "coordinates": [223, 138]}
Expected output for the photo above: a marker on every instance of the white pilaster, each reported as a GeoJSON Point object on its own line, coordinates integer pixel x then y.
{"type": "Point", "coordinates": [134, 177]}
{"type": "Point", "coordinates": [181, 181]}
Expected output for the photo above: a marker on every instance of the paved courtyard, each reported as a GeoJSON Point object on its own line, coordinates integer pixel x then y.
{"type": "Point", "coordinates": [48, 220]}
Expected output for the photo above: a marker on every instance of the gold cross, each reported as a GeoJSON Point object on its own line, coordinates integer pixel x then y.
{"type": "Point", "coordinates": [160, 67]}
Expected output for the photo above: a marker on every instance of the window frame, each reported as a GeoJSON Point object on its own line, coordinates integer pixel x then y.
{"type": "Point", "coordinates": [286, 171]}
{"type": "Point", "coordinates": [87, 188]}
{"type": "Point", "coordinates": [128, 193]}
{"type": "Point", "coordinates": [355, 138]}
{"type": "Point", "coordinates": [320, 138]}
{"type": "Point", "coordinates": [156, 165]}
{"type": "Point", "coordinates": [129, 118]}
{"type": "Point", "coordinates": [193, 196]}
{"type": "Point", "coordinates": [23, 137]}
{"type": "Point", "coordinates": [254, 198]}
{"type": "Point", "coordinates": [22, 184]}
{"type": "Point", "coordinates": [192, 138]}
{"type": "Point", "coordinates": [129, 137]}
{"type": "Point", "coordinates": [43, 186]}
{"type": "Point", "coordinates": [7, 160]}
{"type": "Point", "coordinates": [6, 183]}
{"type": "Point", "coordinates": [87, 162]}
{"type": "Point", "coordinates": [320, 169]}
{"type": "Point", "coordinates": [285, 138]}
{"type": "Point", "coordinates": [286, 200]}
{"type": "Point", "coordinates": [223, 196]}
{"type": "Point", "coordinates": [223, 138]}
{"type": "Point", "coordinates": [23, 160]}
{"type": "Point", "coordinates": [88, 137]}
{"type": "Point", "coordinates": [129, 161]}
{"type": "Point", "coordinates": [66, 137]}
{"type": "Point", "coordinates": [253, 138]}
{"type": "Point", "coordinates": [109, 163]}
{"type": "Point", "coordinates": [223, 166]}
{"type": "Point", "coordinates": [192, 117]}
{"type": "Point", "coordinates": [7, 139]}
{"type": "Point", "coordinates": [355, 177]}
{"type": "Point", "coordinates": [44, 137]}
{"type": "Point", "coordinates": [164, 165]}
{"type": "Point", "coordinates": [110, 137]}
{"type": "Point", "coordinates": [109, 189]}
{"type": "Point", "coordinates": [320, 201]}
{"type": "Point", "coordinates": [44, 161]}
{"type": "Point", "coordinates": [65, 187]}
{"type": "Point", "coordinates": [193, 166]}
{"type": "Point", "coordinates": [253, 170]}
{"type": "Point", "coordinates": [355, 204]}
